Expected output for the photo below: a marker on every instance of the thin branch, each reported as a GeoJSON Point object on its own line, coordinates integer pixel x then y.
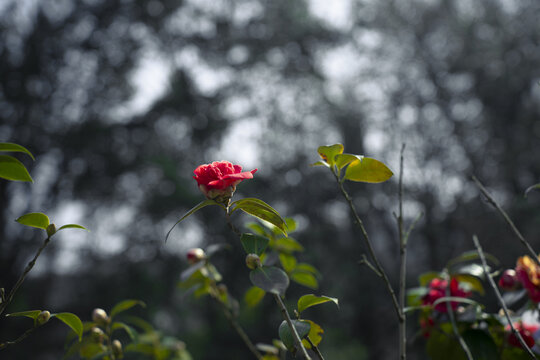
{"type": "Point", "coordinates": [378, 265]}
{"type": "Point", "coordinates": [403, 266]}
{"type": "Point", "coordinates": [500, 298]}
{"type": "Point", "coordinates": [295, 335]}
{"type": "Point", "coordinates": [20, 338]}
{"type": "Point", "coordinates": [364, 261]}
{"type": "Point", "coordinates": [492, 201]}
{"type": "Point", "coordinates": [29, 267]}
{"type": "Point", "coordinates": [450, 312]}
{"type": "Point", "coordinates": [315, 348]}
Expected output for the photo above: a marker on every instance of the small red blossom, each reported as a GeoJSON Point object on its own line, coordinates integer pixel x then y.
{"type": "Point", "coordinates": [528, 272]}
{"type": "Point", "coordinates": [218, 180]}
{"type": "Point", "coordinates": [509, 280]}
{"type": "Point", "coordinates": [525, 330]}
{"type": "Point", "coordinates": [437, 290]}
{"type": "Point", "coordinates": [195, 255]}
{"type": "Point", "coordinates": [426, 325]}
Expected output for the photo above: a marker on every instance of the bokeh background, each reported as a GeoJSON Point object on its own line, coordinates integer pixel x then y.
{"type": "Point", "coordinates": [121, 99]}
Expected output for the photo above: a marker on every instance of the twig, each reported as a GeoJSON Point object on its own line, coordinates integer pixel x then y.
{"type": "Point", "coordinates": [315, 348]}
{"type": "Point", "coordinates": [492, 201]}
{"type": "Point", "coordinates": [29, 267]}
{"type": "Point", "coordinates": [240, 331]}
{"type": "Point", "coordinates": [20, 338]}
{"type": "Point", "coordinates": [295, 335]}
{"type": "Point", "coordinates": [378, 265]}
{"type": "Point", "coordinates": [403, 266]}
{"type": "Point", "coordinates": [500, 298]}
{"type": "Point", "coordinates": [450, 312]}
{"type": "Point", "coordinates": [364, 261]}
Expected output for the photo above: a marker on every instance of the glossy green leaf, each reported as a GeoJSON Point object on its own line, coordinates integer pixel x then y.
{"type": "Point", "coordinates": [468, 269]}
{"type": "Point", "coordinates": [531, 188]}
{"type": "Point", "coordinates": [261, 210]}
{"type": "Point", "coordinates": [197, 207]}
{"type": "Point", "coordinates": [254, 244]}
{"type": "Point", "coordinates": [287, 261]}
{"type": "Point", "coordinates": [37, 220]}
{"type": "Point", "coordinates": [291, 224]}
{"type": "Point", "coordinates": [132, 333]}
{"type": "Point", "coordinates": [328, 153]}
{"type": "Point", "coordinates": [12, 169]}
{"type": "Point", "coordinates": [72, 226]}
{"type": "Point", "coordinates": [343, 160]}
{"type": "Point", "coordinates": [455, 299]}
{"type": "Point", "coordinates": [72, 321]}
{"type": "Point", "coordinates": [10, 147]}
{"type": "Point", "coordinates": [310, 300]}
{"type": "Point", "coordinates": [470, 256]}
{"type": "Point", "coordinates": [253, 296]}
{"type": "Point", "coordinates": [285, 334]}
{"type": "Point", "coordinates": [315, 335]}
{"type": "Point", "coordinates": [305, 279]}
{"type": "Point", "coordinates": [480, 344]}
{"type": "Point", "coordinates": [470, 283]}
{"type": "Point", "coordinates": [320, 163]}
{"type": "Point", "coordinates": [304, 267]}
{"type": "Point", "coordinates": [32, 314]}
{"type": "Point", "coordinates": [368, 170]}
{"type": "Point", "coordinates": [270, 279]}
{"type": "Point", "coordinates": [288, 244]}
{"type": "Point", "coordinates": [125, 305]}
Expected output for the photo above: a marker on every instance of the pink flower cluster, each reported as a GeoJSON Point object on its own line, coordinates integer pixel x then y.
{"type": "Point", "coordinates": [438, 289]}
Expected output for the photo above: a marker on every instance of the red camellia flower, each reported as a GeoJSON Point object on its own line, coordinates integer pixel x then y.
{"type": "Point", "coordinates": [528, 272]}
{"type": "Point", "coordinates": [437, 290]}
{"type": "Point", "coordinates": [525, 330]}
{"type": "Point", "coordinates": [218, 180]}
{"type": "Point", "coordinates": [509, 280]}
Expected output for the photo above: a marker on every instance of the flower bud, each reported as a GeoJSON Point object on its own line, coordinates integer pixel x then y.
{"type": "Point", "coordinates": [97, 335]}
{"type": "Point", "coordinates": [117, 349]}
{"type": "Point", "coordinates": [509, 280]}
{"type": "Point", "coordinates": [195, 255]}
{"type": "Point", "coordinates": [99, 316]}
{"type": "Point", "coordinates": [253, 261]}
{"type": "Point", "coordinates": [43, 317]}
{"type": "Point", "coordinates": [51, 230]}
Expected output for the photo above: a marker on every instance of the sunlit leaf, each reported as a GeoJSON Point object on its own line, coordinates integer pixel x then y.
{"type": "Point", "coordinates": [132, 333]}
{"type": "Point", "coordinates": [291, 224]}
{"type": "Point", "coordinates": [253, 296]}
{"type": "Point", "coordinates": [261, 210]}
{"type": "Point", "coordinates": [285, 334]}
{"type": "Point", "coordinates": [72, 321]}
{"type": "Point", "coordinates": [287, 261]}
{"type": "Point", "coordinates": [468, 269]}
{"type": "Point", "coordinates": [270, 279]}
{"type": "Point", "coordinates": [197, 207]}
{"type": "Point", "coordinates": [320, 163]}
{"type": "Point", "coordinates": [37, 220]}
{"type": "Point", "coordinates": [32, 314]}
{"type": "Point", "coordinates": [305, 279]}
{"type": "Point", "coordinates": [343, 160]}
{"type": "Point", "coordinates": [328, 153]}
{"type": "Point", "coordinates": [254, 244]}
{"type": "Point", "coordinates": [72, 226]}
{"type": "Point", "coordinates": [315, 335]}
{"type": "Point", "coordinates": [469, 283]}
{"type": "Point", "coordinates": [368, 170]}
{"type": "Point", "coordinates": [125, 305]}
{"type": "Point", "coordinates": [310, 300]}
{"type": "Point", "coordinates": [10, 147]}
{"type": "Point", "coordinates": [12, 169]}
{"type": "Point", "coordinates": [288, 244]}
{"type": "Point", "coordinates": [304, 267]}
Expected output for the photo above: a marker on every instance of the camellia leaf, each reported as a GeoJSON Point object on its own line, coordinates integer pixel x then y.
{"type": "Point", "coordinates": [285, 334]}
{"type": "Point", "coordinates": [72, 321]}
{"type": "Point", "coordinates": [368, 170]}
{"type": "Point", "coordinates": [261, 210]}
{"type": "Point", "coordinates": [270, 279]}
{"type": "Point", "coordinates": [32, 314]}
{"type": "Point", "coordinates": [125, 305]}
{"type": "Point", "coordinates": [72, 226]}
{"type": "Point", "coordinates": [197, 207]}
{"type": "Point", "coordinates": [254, 244]}
{"type": "Point", "coordinates": [320, 163]}
{"type": "Point", "coordinates": [315, 335]}
{"type": "Point", "coordinates": [531, 188]}
{"type": "Point", "coordinates": [287, 261]}
{"type": "Point", "coordinates": [310, 300]}
{"type": "Point", "coordinates": [471, 282]}
{"type": "Point", "coordinates": [10, 147]}
{"type": "Point", "coordinates": [455, 299]}
{"type": "Point", "coordinates": [305, 278]}
{"type": "Point", "coordinates": [481, 344]}
{"type": "Point", "coordinates": [469, 256]}
{"type": "Point", "coordinates": [288, 245]}
{"type": "Point", "coordinates": [343, 160]}
{"type": "Point", "coordinates": [329, 152]}
{"type": "Point", "coordinates": [132, 333]}
{"type": "Point", "coordinates": [37, 220]}
{"type": "Point", "coordinates": [253, 296]}
{"type": "Point", "coordinates": [414, 295]}
{"type": "Point", "coordinates": [12, 169]}
{"type": "Point", "coordinates": [468, 269]}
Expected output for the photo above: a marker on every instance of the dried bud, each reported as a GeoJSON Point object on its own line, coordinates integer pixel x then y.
{"type": "Point", "coordinates": [51, 230]}
{"type": "Point", "coordinates": [195, 255]}
{"type": "Point", "coordinates": [43, 317]}
{"type": "Point", "coordinates": [509, 280]}
{"type": "Point", "coordinates": [117, 349]}
{"type": "Point", "coordinates": [253, 261]}
{"type": "Point", "coordinates": [99, 316]}
{"type": "Point", "coordinates": [97, 335]}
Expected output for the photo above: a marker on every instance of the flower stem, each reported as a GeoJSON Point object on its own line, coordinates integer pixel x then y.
{"type": "Point", "coordinates": [315, 348]}
{"type": "Point", "coordinates": [450, 312]}
{"type": "Point", "coordinates": [20, 338]}
{"type": "Point", "coordinates": [403, 266]}
{"type": "Point", "coordinates": [295, 335]}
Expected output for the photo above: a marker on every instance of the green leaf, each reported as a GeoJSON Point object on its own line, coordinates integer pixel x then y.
{"type": "Point", "coordinates": [455, 299]}
{"type": "Point", "coordinates": [261, 210]}
{"type": "Point", "coordinates": [441, 346]}
{"type": "Point", "coordinates": [132, 333]}
{"type": "Point", "coordinates": [320, 163]}
{"type": "Point", "coordinates": [305, 279]}
{"type": "Point", "coordinates": [343, 160]}
{"type": "Point", "coordinates": [304, 267]}
{"type": "Point", "coordinates": [125, 305]}
{"type": "Point", "coordinates": [72, 321]}
{"type": "Point", "coordinates": [253, 296]}
{"type": "Point", "coordinates": [32, 314]}
{"type": "Point", "coordinates": [254, 244]}
{"type": "Point", "coordinates": [291, 224]}
{"type": "Point", "coordinates": [72, 226]}
{"type": "Point", "coordinates": [531, 188]}
{"type": "Point", "coordinates": [471, 282]}
{"type": "Point", "coordinates": [285, 334]}
{"type": "Point", "coordinates": [197, 207]}
{"type": "Point", "coordinates": [12, 169]}
{"type": "Point", "coordinates": [315, 335]}
{"type": "Point", "coordinates": [37, 220]}
{"type": "Point", "coordinates": [469, 256]}
{"type": "Point", "coordinates": [288, 244]}
{"type": "Point", "coordinates": [328, 153]}
{"type": "Point", "coordinates": [480, 344]}
{"type": "Point", "coordinates": [468, 269]}
{"type": "Point", "coordinates": [270, 279]}
{"type": "Point", "coordinates": [310, 300]}
{"type": "Point", "coordinates": [368, 170]}
{"type": "Point", "coordinates": [10, 147]}
{"type": "Point", "coordinates": [287, 261]}
{"type": "Point", "coordinates": [414, 295]}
